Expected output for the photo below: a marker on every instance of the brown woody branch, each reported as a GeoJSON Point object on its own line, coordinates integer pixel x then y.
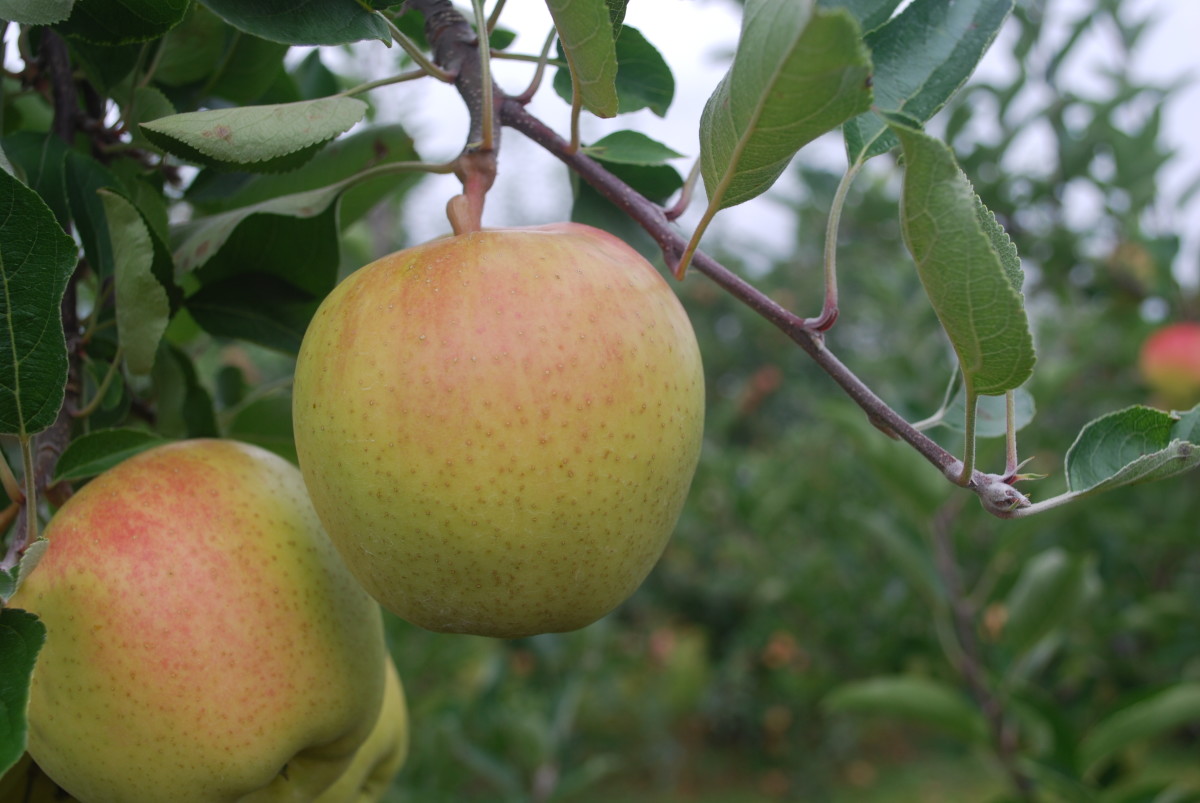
{"type": "Point", "coordinates": [454, 50]}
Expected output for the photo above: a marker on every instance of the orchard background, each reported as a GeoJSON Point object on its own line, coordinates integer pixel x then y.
{"type": "Point", "coordinates": [836, 619]}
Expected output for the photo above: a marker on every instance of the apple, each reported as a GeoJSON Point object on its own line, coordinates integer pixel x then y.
{"type": "Point", "coordinates": [498, 429]}
{"type": "Point", "coordinates": [381, 756]}
{"type": "Point", "coordinates": [205, 643]}
{"type": "Point", "coordinates": [1170, 364]}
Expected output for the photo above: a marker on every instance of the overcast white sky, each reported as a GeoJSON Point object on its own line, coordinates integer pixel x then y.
{"type": "Point", "coordinates": [694, 35]}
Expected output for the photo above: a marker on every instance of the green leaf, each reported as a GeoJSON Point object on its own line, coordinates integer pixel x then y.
{"type": "Point", "coordinates": [35, 12]}
{"type": "Point", "coordinates": [193, 50]}
{"type": "Point", "coordinates": [260, 138]}
{"type": "Point", "coordinates": [143, 309]}
{"type": "Point", "coordinates": [314, 79]}
{"type": "Point", "coordinates": [1048, 593]}
{"type": "Point", "coordinates": [334, 22]}
{"type": "Point", "coordinates": [616, 14]}
{"type": "Point", "coordinates": [21, 638]}
{"type": "Point", "coordinates": [1134, 445]}
{"type": "Point", "coordinates": [234, 308]}
{"type": "Point", "coordinates": [972, 294]}
{"type": "Point", "coordinates": [1002, 244]}
{"type": "Point", "coordinates": [200, 240]}
{"type": "Point", "coordinates": [215, 191]}
{"type": "Point", "coordinates": [586, 33]}
{"type": "Point", "coordinates": [869, 13]}
{"type": "Point", "coordinates": [144, 103]}
{"type": "Point", "coordinates": [184, 407]}
{"type": "Point", "coordinates": [85, 178]}
{"type": "Point", "coordinates": [96, 452]}
{"type": "Point", "coordinates": [266, 422]}
{"type": "Point", "coordinates": [1155, 716]}
{"type": "Point", "coordinates": [115, 22]}
{"type": "Point", "coordinates": [105, 66]}
{"type": "Point", "coordinates": [644, 79]}
{"type": "Point", "coordinates": [655, 182]}
{"type": "Point", "coordinates": [36, 259]}
{"type": "Point", "coordinates": [911, 698]}
{"type": "Point", "coordinates": [42, 158]}
{"type": "Point", "coordinates": [991, 413]}
{"type": "Point", "coordinates": [922, 57]}
{"type": "Point", "coordinates": [630, 147]}
{"type": "Point", "coordinates": [246, 73]}
{"type": "Point", "coordinates": [798, 73]}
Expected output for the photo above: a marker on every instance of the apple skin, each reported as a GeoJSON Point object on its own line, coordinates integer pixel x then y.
{"type": "Point", "coordinates": [1170, 363]}
{"type": "Point", "coordinates": [381, 756]}
{"type": "Point", "coordinates": [498, 429]}
{"type": "Point", "coordinates": [205, 643]}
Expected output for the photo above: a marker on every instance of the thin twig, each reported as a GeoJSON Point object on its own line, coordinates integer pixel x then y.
{"type": "Point", "coordinates": [968, 660]}
{"type": "Point", "coordinates": [536, 83]}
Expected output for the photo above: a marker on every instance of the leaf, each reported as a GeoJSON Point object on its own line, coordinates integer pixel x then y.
{"type": "Point", "coordinates": [193, 49]}
{"type": "Point", "coordinates": [234, 308]}
{"type": "Point", "coordinates": [1134, 445]}
{"type": "Point", "coordinates": [215, 191]}
{"type": "Point", "coordinates": [334, 22]}
{"type": "Point", "coordinates": [972, 294]}
{"type": "Point", "coordinates": [910, 698]}
{"type": "Point", "coordinates": [991, 413]}
{"type": "Point", "coordinates": [85, 178]}
{"type": "Point", "coordinates": [146, 103]}
{"type": "Point", "coordinates": [262, 138]}
{"type": "Point", "coordinates": [922, 57]}
{"type": "Point", "coordinates": [1049, 592]}
{"type": "Point", "coordinates": [96, 452]}
{"type": "Point", "coordinates": [200, 240]}
{"type": "Point", "coordinates": [798, 73]}
{"type": "Point", "coordinates": [21, 638]}
{"type": "Point", "coordinates": [869, 13]}
{"type": "Point", "coordinates": [104, 65]}
{"type": "Point", "coordinates": [1157, 715]}
{"type": "Point", "coordinates": [185, 410]}
{"type": "Point", "coordinates": [616, 14]}
{"type": "Point", "coordinates": [115, 22]}
{"type": "Point", "coordinates": [314, 79]}
{"type": "Point", "coordinates": [644, 79]}
{"type": "Point", "coordinates": [1002, 244]}
{"type": "Point", "coordinates": [36, 259]}
{"type": "Point", "coordinates": [35, 12]}
{"type": "Point", "coordinates": [246, 73]}
{"type": "Point", "coordinates": [655, 182]}
{"type": "Point", "coordinates": [143, 309]}
{"type": "Point", "coordinates": [42, 158]}
{"type": "Point", "coordinates": [586, 33]}
{"type": "Point", "coordinates": [266, 422]}
{"type": "Point", "coordinates": [630, 147]}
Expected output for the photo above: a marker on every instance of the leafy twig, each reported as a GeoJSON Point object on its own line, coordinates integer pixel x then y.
{"type": "Point", "coordinates": [454, 48]}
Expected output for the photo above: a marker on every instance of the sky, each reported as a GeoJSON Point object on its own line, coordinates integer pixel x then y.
{"type": "Point", "coordinates": [696, 37]}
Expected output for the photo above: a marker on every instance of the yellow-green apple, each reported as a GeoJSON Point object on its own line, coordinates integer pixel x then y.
{"type": "Point", "coordinates": [1170, 364]}
{"type": "Point", "coordinates": [205, 643]}
{"type": "Point", "coordinates": [381, 756]}
{"type": "Point", "coordinates": [498, 429]}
